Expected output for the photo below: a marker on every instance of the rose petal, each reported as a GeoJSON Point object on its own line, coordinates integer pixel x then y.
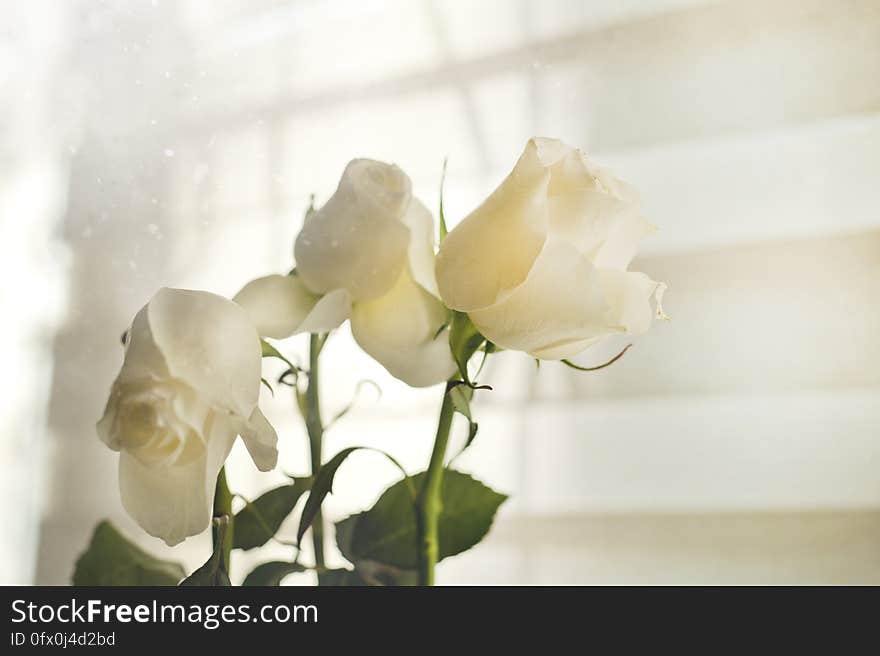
{"type": "Point", "coordinates": [143, 358]}
{"type": "Point", "coordinates": [400, 329]}
{"type": "Point", "coordinates": [277, 305]}
{"type": "Point", "coordinates": [174, 502]}
{"type": "Point", "coordinates": [357, 241]}
{"type": "Point", "coordinates": [329, 312]}
{"type": "Point", "coordinates": [209, 343]}
{"type": "Point", "coordinates": [565, 349]}
{"type": "Point", "coordinates": [493, 249]}
{"type": "Point", "coordinates": [281, 306]}
{"type": "Point", "coordinates": [629, 295]}
{"type": "Point", "coordinates": [421, 245]}
{"type": "Point", "coordinates": [595, 211]}
{"type": "Point", "coordinates": [260, 440]}
{"type": "Point", "coordinates": [556, 311]}
{"type": "Point", "coordinates": [622, 241]}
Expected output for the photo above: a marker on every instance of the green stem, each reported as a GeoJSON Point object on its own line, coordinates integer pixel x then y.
{"type": "Point", "coordinates": [315, 429]}
{"type": "Point", "coordinates": [223, 506]}
{"type": "Point", "coordinates": [428, 503]}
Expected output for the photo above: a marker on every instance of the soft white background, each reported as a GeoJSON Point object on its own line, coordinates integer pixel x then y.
{"type": "Point", "coordinates": [177, 143]}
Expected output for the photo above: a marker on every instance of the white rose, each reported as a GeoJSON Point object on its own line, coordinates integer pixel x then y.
{"type": "Point", "coordinates": [541, 265]}
{"type": "Point", "coordinates": [368, 253]}
{"type": "Point", "coordinates": [189, 385]}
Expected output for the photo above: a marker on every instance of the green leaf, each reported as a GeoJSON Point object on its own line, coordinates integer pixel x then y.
{"type": "Point", "coordinates": [208, 576]}
{"type": "Point", "coordinates": [260, 519]}
{"type": "Point", "coordinates": [472, 433]}
{"type": "Point", "coordinates": [464, 341]}
{"type": "Point", "coordinates": [461, 396]}
{"type": "Point", "coordinates": [323, 485]}
{"type": "Point", "coordinates": [387, 532]}
{"type": "Point", "coordinates": [443, 230]}
{"type": "Point", "coordinates": [339, 577]}
{"type": "Point", "coordinates": [367, 574]}
{"type": "Point", "coordinates": [271, 573]}
{"type": "Point", "coordinates": [473, 427]}
{"type": "Point", "coordinates": [270, 351]}
{"type": "Point", "coordinates": [268, 386]}
{"type": "Point", "coordinates": [112, 559]}
{"type": "Point", "coordinates": [212, 574]}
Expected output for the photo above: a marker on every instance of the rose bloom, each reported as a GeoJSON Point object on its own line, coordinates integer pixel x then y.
{"type": "Point", "coordinates": [541, 265]}
{"type": "Point", "coordinates": [188, 387]}
{"type": "Point", "coordinates": [367, 255]}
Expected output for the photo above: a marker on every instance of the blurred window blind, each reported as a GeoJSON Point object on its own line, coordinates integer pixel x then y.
{"type": "Point", "coordinates": [750, 127]}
